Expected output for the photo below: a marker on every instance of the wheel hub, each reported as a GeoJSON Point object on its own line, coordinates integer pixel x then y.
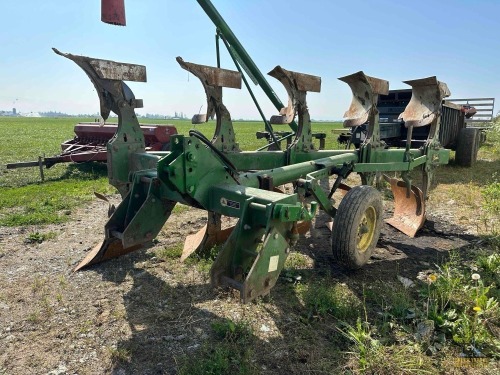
{"type": "Point", "coordinates": [366, 229]}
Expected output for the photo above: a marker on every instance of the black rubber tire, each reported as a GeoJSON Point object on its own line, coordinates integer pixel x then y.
{"type": "Point", "coordinates": [358, 202]}
{"type": "Point", "coordinates": [482, 137]}
{"type": "Point", "coordinates": [467, 147]}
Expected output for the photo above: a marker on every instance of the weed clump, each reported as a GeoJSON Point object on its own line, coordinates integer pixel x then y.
{"type": "Point", "coordinates": [369, 356]}
{"type": "Point", "coordinates": [333, 299]}
{"type": "Point", "coordinates": [464, 305]}
{"type": "Point", "coordinates": [230, 355]}
{"type": "Point", "coordinates": [38, 238]}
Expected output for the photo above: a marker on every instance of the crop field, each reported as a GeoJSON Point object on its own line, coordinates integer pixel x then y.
{"type": "Point", "coordinates": [427, 305]}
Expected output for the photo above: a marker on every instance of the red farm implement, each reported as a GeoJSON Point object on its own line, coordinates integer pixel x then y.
{"type": "Point", "coordinates": [90, 144]}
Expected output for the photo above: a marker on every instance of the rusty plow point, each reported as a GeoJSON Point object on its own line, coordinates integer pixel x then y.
{"type": "Point", "coordinates": [204, 239]}
{"type": "Point", "coordinates": [107, 249]}
{"type": "Point", "coordinates": [409, 212]}
{"type": "Point", "coordinates": [303, 227]}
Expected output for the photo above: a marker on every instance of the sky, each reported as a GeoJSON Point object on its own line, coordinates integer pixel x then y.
{"type": "Point", "coordinates": [456, 40]}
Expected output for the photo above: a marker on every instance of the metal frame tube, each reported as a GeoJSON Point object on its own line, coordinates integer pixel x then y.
{"type": "Point", "coordinates": [226, 31]}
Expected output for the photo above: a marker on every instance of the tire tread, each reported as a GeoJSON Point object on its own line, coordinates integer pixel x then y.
{"type": "Point", "coordinates": [356, 201]}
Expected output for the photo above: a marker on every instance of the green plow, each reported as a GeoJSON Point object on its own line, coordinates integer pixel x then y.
{"type": "Point", "coordinates": [215, 175]}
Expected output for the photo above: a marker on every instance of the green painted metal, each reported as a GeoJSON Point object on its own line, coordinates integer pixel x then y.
{"type": "Point", "coordinates": [254, 99]}
{"type": "Point", "coordinates": [242, 55]}
{"type": "Point", "coordinates": [214, 175]}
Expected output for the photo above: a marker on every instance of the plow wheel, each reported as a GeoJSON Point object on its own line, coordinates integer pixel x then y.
{"type": "Point", "coordinates": [467, 147]}
{"type": "Point", "coordinates": [357, 226]}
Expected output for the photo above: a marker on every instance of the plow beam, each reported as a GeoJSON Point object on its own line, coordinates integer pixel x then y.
{"type": "Point", "coordinates": [365, 92]}
{"type": "Point", "coordinates": [409, 207]}
{"type": "Point", "coordinates": [426, 97]}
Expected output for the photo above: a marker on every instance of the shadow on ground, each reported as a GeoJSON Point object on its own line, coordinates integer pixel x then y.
{"type": "Point", "coordinates": [170, 321]}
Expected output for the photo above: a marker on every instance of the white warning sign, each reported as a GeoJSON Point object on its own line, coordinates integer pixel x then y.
{"type": "Point", "coordinates": [273, 263]}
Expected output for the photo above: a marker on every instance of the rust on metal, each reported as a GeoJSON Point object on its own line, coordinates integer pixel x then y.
{"type": "Point", "coordinates": [426, 98]}
{"type": "Point", "coordinates": [211, 235]}
{"type": "Point", "coordinates": [207, 237]}
{"type": "Point", "coordinates": [107, 249]}
{"type": "Point", "coordinates": [97, 69]}
{"type": "Point", "coordinates": [300, 81]}
{"type": "Point", "coordinates": [294, 82]}
{"type": "Point", "coordinates": [365, 91]}
{"type": "Point", "coordinates": [213, 80]}
{"type": "Point", "coordinates": [409, 211]}
{"type": "Point", "coordinates": [211, 76]}
{"type": "Point", "coordinates": [118, 71]}
{"type": "Point", "coordinates": [113, 12]}
{"type": "Point", "coordinates": [303, 227]}
{"type": "Point", "coordinates": [202, 239]}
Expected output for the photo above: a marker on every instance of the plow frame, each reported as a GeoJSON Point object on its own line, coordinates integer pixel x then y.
{"type": "Point", "coordinates": [216, 176]}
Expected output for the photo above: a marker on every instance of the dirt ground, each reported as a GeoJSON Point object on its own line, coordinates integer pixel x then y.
{"type": "Point", "coordinates": [141, 313]}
